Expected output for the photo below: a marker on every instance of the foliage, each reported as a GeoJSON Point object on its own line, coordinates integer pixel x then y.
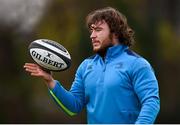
{"type": "Point", "coordinates": [25, 99]}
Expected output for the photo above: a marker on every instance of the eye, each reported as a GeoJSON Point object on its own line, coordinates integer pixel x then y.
{"type": "Point", "coordinates": [91, 30]}
{"type": "Point", "coordinates": [98, 29]}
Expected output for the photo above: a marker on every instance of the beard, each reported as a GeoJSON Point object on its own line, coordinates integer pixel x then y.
{"type": "Point", "coordinates": [102, 48]}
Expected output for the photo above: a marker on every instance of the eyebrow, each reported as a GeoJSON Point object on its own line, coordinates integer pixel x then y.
{"type": "Point", "coordinates": [95, 27]}
{"type": "Point", "coordinates": [96, 24]}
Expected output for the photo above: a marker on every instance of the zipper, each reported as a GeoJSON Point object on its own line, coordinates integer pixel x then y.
{"type": "Point", "coordinates": [105, 64]}
{"type": "Point", "coordinates": [102, 76]}
{"type": "Point", "coordinates": [104, 67]}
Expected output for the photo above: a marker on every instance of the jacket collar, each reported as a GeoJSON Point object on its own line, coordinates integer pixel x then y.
{"type": "Point", "coordinates": [115, 50]}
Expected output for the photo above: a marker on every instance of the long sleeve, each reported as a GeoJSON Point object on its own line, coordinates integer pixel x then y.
{"type": "Point", "coordinates": [146, 88]}
{"type": "Point", "coordinates": [71, 101]}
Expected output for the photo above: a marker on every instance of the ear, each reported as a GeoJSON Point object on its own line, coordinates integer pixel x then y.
{"type": "Point", "coordinates": [115, 36]}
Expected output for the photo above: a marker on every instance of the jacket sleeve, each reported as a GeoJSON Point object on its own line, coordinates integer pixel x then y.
{"type": "Point", "coordinates": [71, 101]}
{"type": "Point", "coordinates": [146, 88]}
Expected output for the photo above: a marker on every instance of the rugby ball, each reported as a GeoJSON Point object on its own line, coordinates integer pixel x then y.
{"type": "Point", "coordinates": [50, 55]}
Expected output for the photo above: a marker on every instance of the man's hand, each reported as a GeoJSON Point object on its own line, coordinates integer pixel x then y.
{"type": "Point", "coordinates": [37, 71]}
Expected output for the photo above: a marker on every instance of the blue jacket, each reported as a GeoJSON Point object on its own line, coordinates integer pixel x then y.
{"type": "Point", "coordinates": [122, 88]}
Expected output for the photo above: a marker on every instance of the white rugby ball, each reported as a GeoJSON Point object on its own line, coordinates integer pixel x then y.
{"type": "Point", "coordinates": [50, 55]}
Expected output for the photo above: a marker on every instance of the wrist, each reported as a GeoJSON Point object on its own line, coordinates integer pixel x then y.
{"type": "Point", "coordinates": [50, 83]}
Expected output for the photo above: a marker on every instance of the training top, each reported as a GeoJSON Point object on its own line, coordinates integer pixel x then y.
{"type": "Point", "coordinates": [121, 88]}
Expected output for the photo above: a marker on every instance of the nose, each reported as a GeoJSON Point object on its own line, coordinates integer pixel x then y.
{"type": "Point", "coordinates": [93, 35]}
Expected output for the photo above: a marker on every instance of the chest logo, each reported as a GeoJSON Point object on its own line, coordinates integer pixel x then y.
{"type": "Point", "coordinates": [119, 65]}
{"type": "Point", "coordinates": [89, 67]}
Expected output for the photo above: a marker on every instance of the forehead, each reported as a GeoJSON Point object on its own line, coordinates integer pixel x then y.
{"type": "Point", "coordinates": [98, 24]}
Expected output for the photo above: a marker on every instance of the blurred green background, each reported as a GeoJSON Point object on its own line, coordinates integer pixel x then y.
{"type": "Point", "coordinates": [25, 99]}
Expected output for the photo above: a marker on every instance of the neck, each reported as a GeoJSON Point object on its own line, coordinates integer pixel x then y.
{"type": "Point", "coordinates": [103, 52]}
{"type": "Point", "coordinates": [115, 41]}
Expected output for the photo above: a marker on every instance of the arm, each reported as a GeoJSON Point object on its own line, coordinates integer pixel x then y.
{"type": "Point", "coordinates": [146, 88]}
{"type": "Point", "coordinates": [70, 101]}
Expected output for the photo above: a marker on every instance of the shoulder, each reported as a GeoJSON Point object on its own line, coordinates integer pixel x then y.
{"type": "Point", "coordinates": [132, 54]}
{"type": "Point", "coordinates": [88, 60]}
{"type": "Point", "coordinates": [135, 60]}
{"type": "Point", "coordinates": [84, 64]}
{"type": "Point", "coordinates": [134, 57]}
{"type": "Point", "coordinates": [91, 57]}
{"type": "Point", "coordinates": [141, 65]}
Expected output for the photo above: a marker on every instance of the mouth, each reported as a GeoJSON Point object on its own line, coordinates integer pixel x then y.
{"type": "Point", "coordinates": [95, 42]}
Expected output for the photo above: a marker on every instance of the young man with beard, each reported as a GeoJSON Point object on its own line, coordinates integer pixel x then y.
{"type": "Point", "coordinates": [115, 85]}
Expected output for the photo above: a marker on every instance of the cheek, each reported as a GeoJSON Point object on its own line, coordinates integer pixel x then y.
{"type": "Point", "coordinates": [103, 36]}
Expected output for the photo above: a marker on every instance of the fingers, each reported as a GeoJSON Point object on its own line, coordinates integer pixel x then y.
{"type": "Point", "coordinates": [36, 70]}
{"type": "Point", "coordinates": [32, 68]}
{"type": "Point", "coordinates": [31, 65]}
{"type": "Point", "coordinates": [34, 74]}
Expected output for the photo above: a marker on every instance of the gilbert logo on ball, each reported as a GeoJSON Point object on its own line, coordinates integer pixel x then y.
{"type": "Point", "coordinates": [50, 55]}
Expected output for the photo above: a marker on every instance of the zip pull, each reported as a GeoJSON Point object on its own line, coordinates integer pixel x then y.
{"type": "Point", "coordinates": [104, 66]}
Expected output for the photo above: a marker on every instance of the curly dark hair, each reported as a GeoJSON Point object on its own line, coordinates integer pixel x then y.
{"type": "Point", "coordinates": [116, 21]}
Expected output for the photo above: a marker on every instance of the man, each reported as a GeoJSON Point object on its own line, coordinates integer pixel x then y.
{"type": "Point", "coordinates": [115, 85]}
